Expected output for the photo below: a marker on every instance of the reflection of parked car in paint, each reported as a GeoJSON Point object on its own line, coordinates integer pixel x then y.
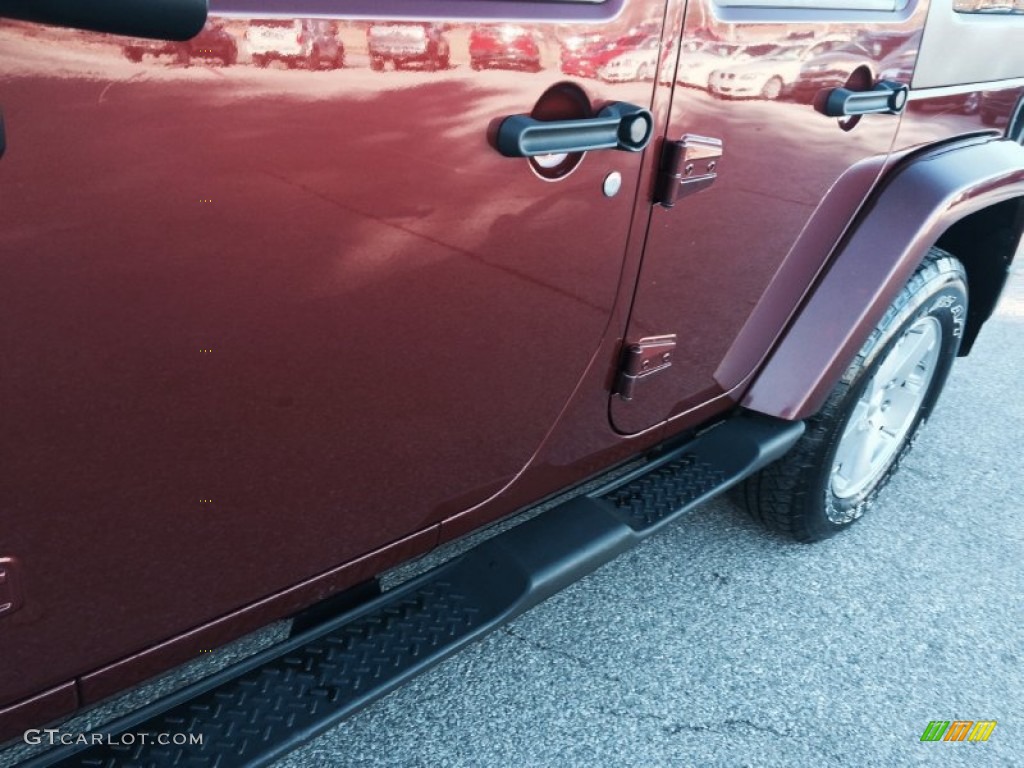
{"type": "Point", "coordinates": [898, 66]}
{"type": "Point", "coordinates": [572, 42]}
{"type": "Point", "coordinates": [507, 46]}
{"type": "Point", "coordinates": [213, 43]}
{"type": "Point", "coordinates": [697, 64]}
{"type": "Point", "coordinates": [640, 63]}
{"type": "Point", "coordinates": [768, 77]}
{"type": "Point", "coordinates": [310, 43]}
{"type": "Point", "coordinates": [831, 70]}
{"type": "Point", "coordinates": [408, 45]}
{"type": "Point", "coordinates": [880, 45]}
{"type": "Point", "coordinates": [590, 59]}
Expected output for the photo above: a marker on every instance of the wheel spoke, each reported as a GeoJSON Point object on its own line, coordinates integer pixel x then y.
{"type": "Point", "coordinates": [920, 344]}
{"type": "Point", "coordinates": [885, 411]}
{"type": "Point", "coordinates": [864, 453]}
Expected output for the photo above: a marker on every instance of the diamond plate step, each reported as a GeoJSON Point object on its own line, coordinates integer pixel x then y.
{"type": "Point", "coordinates": [257, 711]}
{"type": "Point", "coordinates": [656, 493]}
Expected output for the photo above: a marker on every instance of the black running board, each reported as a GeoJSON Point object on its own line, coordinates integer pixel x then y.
{"type": "Point", "coordinates": [259, 710]}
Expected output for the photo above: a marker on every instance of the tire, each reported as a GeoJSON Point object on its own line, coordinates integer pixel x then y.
{"type": "Point", "coordinates": [772, 90]}
{"type": "Point", "coordinates": [260, 61]}
{"type": "Point", "coordinates": [376, 64]}
{"type": "Point", "coordinates": [824, 484]}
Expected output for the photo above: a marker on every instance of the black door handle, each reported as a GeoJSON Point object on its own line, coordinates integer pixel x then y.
{"type": "Point", "coordinates": [617, 126]}
{"type": "Point", "coordinates": [887, 98]}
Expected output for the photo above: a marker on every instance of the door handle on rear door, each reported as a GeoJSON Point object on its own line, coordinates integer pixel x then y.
{"type": "Point", "coordinates": [887, 98]}
{"type": "Point", "coordinates": [617, 126]}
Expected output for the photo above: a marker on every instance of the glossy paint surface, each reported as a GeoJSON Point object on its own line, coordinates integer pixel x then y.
{"type": "Point", "coordinates": [259, 321]}
{"type": "Point", "coordinates": [272, 301]}
{"type": "Point", "coordinates": [938, 189]}
{"type": "Point", "coordinates": [710, 260]}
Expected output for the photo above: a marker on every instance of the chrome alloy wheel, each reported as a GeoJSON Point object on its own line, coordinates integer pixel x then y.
{"type": "Point", "coordinates": [886, 410]}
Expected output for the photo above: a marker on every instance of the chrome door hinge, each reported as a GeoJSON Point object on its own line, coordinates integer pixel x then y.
{"type": "Point", "coordinates": [642, 359]}
{"type": "Point", "coordinates": [687, 166]}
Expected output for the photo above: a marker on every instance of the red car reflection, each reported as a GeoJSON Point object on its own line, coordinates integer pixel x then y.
{"type": "Point", "coordinates": [503, 47]}
{"type": "Point", "coordinates": [590, 59]}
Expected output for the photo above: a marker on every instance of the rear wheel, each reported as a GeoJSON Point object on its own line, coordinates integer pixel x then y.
{"type": "Point", "coordinates": [854, 445]}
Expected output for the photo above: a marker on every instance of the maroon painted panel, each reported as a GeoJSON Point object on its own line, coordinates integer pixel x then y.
{"type": "Point", "coordinates": [875, 263]}
{"type": "Point", "coordinates": [38, 710]}
{"type": "Point", "coordinates": [888, 242]}
{"type": "Point", "coordinates": [710, 260]}
{"type": "Point", "coordinates": [98, 685]}
{"type": "Point", "coordinates": [258, 321]}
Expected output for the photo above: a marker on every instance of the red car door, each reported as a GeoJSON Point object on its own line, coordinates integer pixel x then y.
{"type": "Point", "coordinates": [258, 322]}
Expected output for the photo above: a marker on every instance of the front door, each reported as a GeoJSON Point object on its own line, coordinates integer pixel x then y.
{"type": "Point", "coordinates": [272, 299]}
{"type": "Point", "coordinates": [709, 259]}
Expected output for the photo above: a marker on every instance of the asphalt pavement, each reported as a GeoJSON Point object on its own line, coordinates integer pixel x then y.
{"type": "Point", "coordinates": [717, 643]}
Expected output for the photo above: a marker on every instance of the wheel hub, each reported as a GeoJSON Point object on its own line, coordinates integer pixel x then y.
{"type": "Point", "coordinates": [886, 411]}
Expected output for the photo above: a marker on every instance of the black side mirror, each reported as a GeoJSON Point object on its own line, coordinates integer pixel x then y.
{"type": "Point", "coordinates": [160, 19]}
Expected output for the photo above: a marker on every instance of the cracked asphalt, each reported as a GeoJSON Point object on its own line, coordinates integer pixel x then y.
{"type": "Point", "coordinates": [719, 644]}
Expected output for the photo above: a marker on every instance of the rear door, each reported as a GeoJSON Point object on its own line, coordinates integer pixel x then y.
{"type": "Point", "coordinates": [265, 313]}
{"type": "Point", "coordinates": [745, 80]}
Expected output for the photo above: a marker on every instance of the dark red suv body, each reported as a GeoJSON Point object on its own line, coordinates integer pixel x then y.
{"type": "Point", "coordinates": [214, 43]}
{"type": "Point", "coordinates": [270, 332]}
